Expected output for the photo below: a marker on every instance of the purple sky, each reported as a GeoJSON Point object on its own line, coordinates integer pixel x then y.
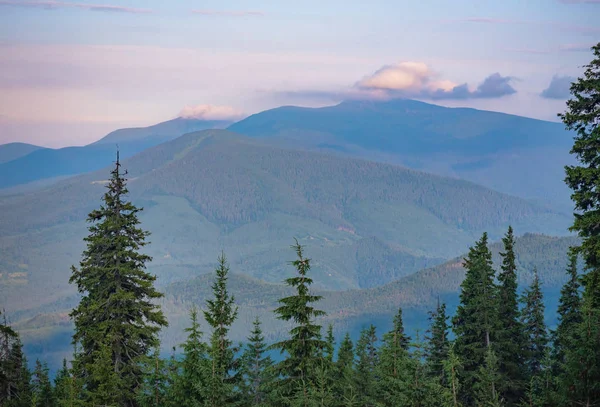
{"type": "Point", "coordinates": [70, 72]}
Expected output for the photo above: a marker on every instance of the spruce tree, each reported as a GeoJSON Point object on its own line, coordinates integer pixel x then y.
{"type": "Point", "coordinates": [534, 327]}
{"type": "Point", "coordinates": [154, 391]}
{"type": "Point", "coordinates": [452, 368]}
{"type": "Point", "coordinates": [569, 315]}
{"type": "Point", "coordinates": [367, 361]}
{"type": "Point", "coordinates": [258, 376]}
{"type": "Point", "coordinates": [220, 314]}
{"type": "Point", "coordinates": [486, 387]}
{"type": "Point", "coordinates": [19, 378]}
{"type": "Point", "coordinates": [305, 343]}
{"type": "Point", "coordinates": [8, 369]}
{"type": "Point", "coordinates": [62, 384]}
{"type": "Point", "coordinates": [579, 384]}
{"type": "Point", "coordinates": [190, 378]}
{"type": "Point", "coordinates": [438, 344]}
{"type": "Point", "coordinates": [344, 386]}
{"type": "Point", "coordinates": [393, 369]}
{"type": "Point", "coordinates": [117, 296]}
{"type": "Point", "coordinates": [510, 340]}
{"type": "Point", "coordinates": [582, 379]}
{"type": "Point", "coordinates": [476, 317]}
{"type": "Point", "coordinates": [41, 387]}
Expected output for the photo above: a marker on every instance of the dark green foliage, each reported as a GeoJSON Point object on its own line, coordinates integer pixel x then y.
{"type": "Point", "coordinates": [257, 373]}
{"type": "Point", "coordinates": [488, 377]}
{"type": "Point", "coordinates": [154, 391]}
{"type": "Point", "coordinates": [8, 366]}
{"type": "Point", "coordinates": [344, 384]}
{"type": "Point", "coordinates": [305, 344]}
{"type": "Point", "coordinates": [583, 116]}
{"type": "Point", "coordinates": [367, 360]}
{"type": "Point", "coordinates": [534, 327]}
{"type": "Point", "coordinates": [581, 381]}
{"type": "Point", "coordinates": [475, 321]}
{"type": "Point", "coordinates": [220, 314]}
{"type": "Point", "coordinates": [16, 385]}
{"type": "Point", "coordinates": [190, 378]}
{"type": "Point", "coordinates": [41, 388]}
{"type": "Point", "coordinates": [116, 320]}
{"type": "Point", "coordinates": [394, 369]}
{"type": "Point", "coordinates": [452, 368]}
{"type": "Point", "coordinates": [510, 341]}
{"type": "Point", "coordinates": [569, 315]}
{"type": "Point", "coordinates": [438, 344]}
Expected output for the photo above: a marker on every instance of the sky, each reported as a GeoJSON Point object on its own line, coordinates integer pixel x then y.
{"type": "Point", "coordinates": [72, 71]}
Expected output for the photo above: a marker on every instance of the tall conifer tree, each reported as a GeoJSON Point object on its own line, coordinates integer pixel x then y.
{"type": "Point", "coordinates": [117, 295]}
{"type": "Point", "coordinates": [476, 317]}
{"type": "Point", "coordinates": [367, 361]}
{"type": "Point", "coordinates": [534, 327]}
{"type": "Point", "coordinates": [438, 344]}
{"type": "Point", "coordinates": [583, 117]}
{"type": "Point", "coordinates": [220, 314]}
{"type": "Point", "coordinates": [305, 344]}
{"type": "Point", "coordinates": [510, 340]}
{"type": "Point", "coordinates": [257, 370]}
{"type": "Point", "coordinates": [569, 315]}
{"type": "Point", "coordinates": [344, 374]}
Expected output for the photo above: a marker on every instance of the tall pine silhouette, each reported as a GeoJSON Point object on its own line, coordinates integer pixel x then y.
{"type": "Point", "coordinates": [116, 320]}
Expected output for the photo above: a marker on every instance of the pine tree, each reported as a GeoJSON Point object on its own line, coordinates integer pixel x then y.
{"type": "Point", "coordinates": [19, 378]}
{"type": "Point", "coordinates": [220, 314]}
{"type": "Point", "coordinates": [68, 388]}
{"type": "Point", "coordinates": [366, 364]}
{"type": "Point", "coordinates": [344, 386]}
{"type": "Point", "coordinates": [438, 344]}
{"type": "Point", "coordinates": [61, 383]}
{"type": "Point", "coordinates": [579, 383]}
{"type": "Point", "coordinates": [486, 388]}
{"type": "Point", "coordinates": [394, 370]}
{"type": "Point", "coordinates": [117, 296]}
{"type": "Point", "coordinates": [532, 318]}
{"type": "Point", "coordinates": [8, 370]}
{"type": "Point", "coordinates": [154, 390]}
{"type": "Point", "coordinates": [569, 315]}
{"type": "Point", "coordinates": [305, 342]}
{"type": "Point", "coordinates": [475, 321]}
{"type": "Point", "coordinates": [258, 376]}
{"type": "Point", "coordinates": [41, 389]}
{"type": "Point", "coordinates": [510, 340]}
{"type": "Point", "coordinates": [190, 378]}
{"type": "Point", "coordinates": [582, 380]}
{"type": "Point", "coordinates": [452, 368]}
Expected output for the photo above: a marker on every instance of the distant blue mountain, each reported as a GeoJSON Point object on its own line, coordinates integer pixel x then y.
{"type": "Point", "coordinates": [12, 151]}
{"type": "Point", "coordinates": [512, 154]}
{"type": "Point", "coordinates": [41, 164]}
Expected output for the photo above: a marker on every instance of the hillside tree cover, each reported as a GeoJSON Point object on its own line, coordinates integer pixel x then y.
{"type": "Point", "coordinates": [117, 363]}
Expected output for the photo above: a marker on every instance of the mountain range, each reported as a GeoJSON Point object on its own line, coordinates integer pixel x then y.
{"type": "Point", "coordinates": [26, 163]}
{"type": "Point", "coordinates": [382, 194]}
{"type": "Point", "coordinates": [489, 148]}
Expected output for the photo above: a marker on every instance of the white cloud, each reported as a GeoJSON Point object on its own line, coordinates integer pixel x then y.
{"type": "Point", "coordinates": [405, 76]}
{"type": "Point", "coordinates": [210, 112]}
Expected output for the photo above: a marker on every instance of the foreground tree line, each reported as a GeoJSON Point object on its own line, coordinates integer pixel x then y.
{"type": "Point", "coordinates": [500, 353]}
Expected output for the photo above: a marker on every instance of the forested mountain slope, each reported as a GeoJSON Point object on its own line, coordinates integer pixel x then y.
{"type": "Point", "coordinates": [489, 148]}
{"type": "Point", "coordinates": [215, 190]}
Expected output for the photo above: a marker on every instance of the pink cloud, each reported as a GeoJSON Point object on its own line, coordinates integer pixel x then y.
{"type": "Point", "coordinates": [210, 112]}
{"type": "Point", "coordinates": [50, 5]}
